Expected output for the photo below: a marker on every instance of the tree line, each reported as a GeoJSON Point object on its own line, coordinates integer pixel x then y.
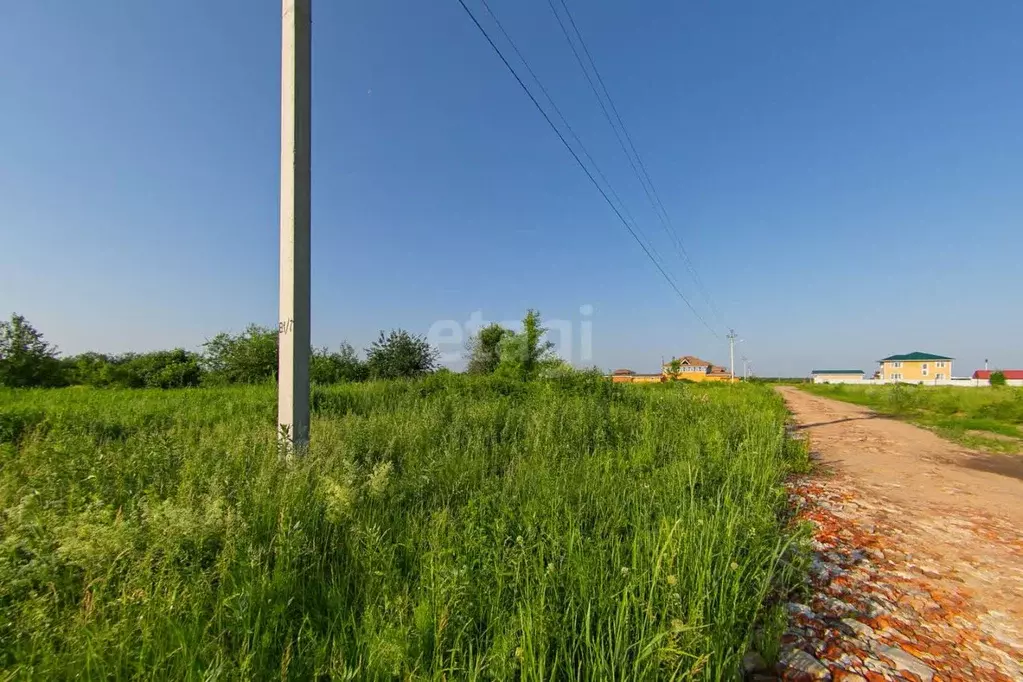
{"type": "Point", "coordinates": [27, 360]}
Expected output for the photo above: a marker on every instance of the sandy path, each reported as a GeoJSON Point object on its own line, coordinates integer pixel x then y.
{"type": "Point", "coordinates": [919, 540]}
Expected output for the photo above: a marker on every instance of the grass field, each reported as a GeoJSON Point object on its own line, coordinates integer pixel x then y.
{"type": "Point", "coordinates": [451, 528]}
{"type": "Point", "coordinates": [987, 418]}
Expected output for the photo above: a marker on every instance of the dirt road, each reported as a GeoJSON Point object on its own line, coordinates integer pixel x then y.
{"type": "Point", "coordinates": [918, 569]}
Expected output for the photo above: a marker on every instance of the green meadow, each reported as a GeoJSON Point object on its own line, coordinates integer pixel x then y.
{"type": "Point", "coordinates": [450, 527]}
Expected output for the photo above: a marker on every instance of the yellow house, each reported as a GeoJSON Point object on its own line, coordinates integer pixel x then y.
{"type": "Point", "coordinates": [627, 376]}
{"type": "Point", "coordinates": [690, 367]}
{"type": "Point", "coordinates": [915, 366]}
{"type": "Point", "coordinates": [693, 368]}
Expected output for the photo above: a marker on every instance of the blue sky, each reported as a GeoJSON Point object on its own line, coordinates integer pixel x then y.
{"type": "Point", "coordinates": [847, 177]}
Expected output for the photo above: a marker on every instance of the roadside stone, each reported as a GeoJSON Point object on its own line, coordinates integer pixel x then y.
{"type": "Point", "coordinates": [753, 662]}
{"type": "Point", "coordinates": [798, 666]}
{"type": "Point", "coordinates": [800, 609]}
{"type": "Point", "coordinates": [861, 629]}
{"type": "Point", "coordinates": [907, 662]}
{"type": "Point", "coordinates": [835, 606]}
{"type": "Point", "coordinates": [846, 676]}
{"type": "Point", "coordinates": [839, 625]}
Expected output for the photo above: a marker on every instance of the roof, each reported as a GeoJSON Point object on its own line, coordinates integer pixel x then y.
{"type": "Point", "coordinates": [691, 360]}
{"type": "Point", "coordinates": [1009, 373]}
{"type": "Point", "coordinates": [915, 355]}
{"type": "Point", "coordinates": [621, 372]}
{"type": "Point", "coordinates": [838, 371]}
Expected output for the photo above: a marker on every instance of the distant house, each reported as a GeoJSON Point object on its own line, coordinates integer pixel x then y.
{"type": "Point", "coordinates": [627, 376]}
{"type": "Point", "coordinates": [836, 376]}
{"type": "Point", "coordinates": [717, 374]}
{"type": "Point", "coordinates": [1010, 374]}
{"type": "Point", "coordinates": [695, 369]}
{"type": "Point", "coordinates": [690, 367]}
{"type": "Point", "coordinates": [916, 366]}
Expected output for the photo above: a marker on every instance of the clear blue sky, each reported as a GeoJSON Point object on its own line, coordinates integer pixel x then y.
{"type": "Point", "coordinates": [848, 177]}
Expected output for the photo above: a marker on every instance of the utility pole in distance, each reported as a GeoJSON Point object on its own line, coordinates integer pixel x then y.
{"type": "Point", "coordinates": [293, 327]}
{"type": "Point", "coordinates": [731, 352]}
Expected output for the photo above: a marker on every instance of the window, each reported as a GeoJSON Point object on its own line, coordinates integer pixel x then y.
{"type": "Point", "coordinates": [923, 369]}
{"type": "Point", "coordinates": [940, 364]}
{"type": "Point", "coordinates": [897, 365]}
{"type": "Point", "coordinates": [939, 375]}
{"type": "Point", "coordinates": [896, 377]}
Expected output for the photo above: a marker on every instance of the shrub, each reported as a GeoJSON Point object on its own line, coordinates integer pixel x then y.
{"type": "Point", "coordinates": [484, 349]}
{"type": "Point", "coordinates": [246, 358]}
{"type": "Point", "coordinates": [401, 355]}
{"type": "Point", "coordinates": [997, 378]}
{"type": "Point", "coordinates": [332, 368]}
{"type": "Point", "coordinates": [176, 368]}
{"type": "Point", "coordinates": [901, 398]}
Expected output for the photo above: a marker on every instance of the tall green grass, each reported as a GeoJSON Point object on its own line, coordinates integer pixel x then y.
{"type": "Point", "coordinates": [452, 528]}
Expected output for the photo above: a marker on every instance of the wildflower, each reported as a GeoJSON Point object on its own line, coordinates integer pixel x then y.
{"type": "Point", "coordinates": [340, 498]}
{"type": "Point", "coordinates": [518, 652]}
{"type": "Point", "coordinates": [677, 625]}
{"type": "Point", "coordinates": [734, 566]}
{"type": "Point", "coordinates": [378, 479]}
{"type": "Point", "coordinates": [519, 540]}
{"type": "Point", "coordinates": [672, 580]}
{"type": "Point", "coordinates": [550, 569]}
{"type": "Point", "coordinates": [625, 570]}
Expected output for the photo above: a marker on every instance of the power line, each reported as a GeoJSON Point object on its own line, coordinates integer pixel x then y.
{"type": "Point", "coordinates": [568, 127]}
{"type": "Point", "coordinates": [648, 186]}
{"type": "Point", "coordinates": [641, 172]}
{"type": "Point", "coordinates": [586, 170]}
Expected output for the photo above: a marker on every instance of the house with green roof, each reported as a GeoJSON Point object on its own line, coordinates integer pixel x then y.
{"type": "Point", "coordinates": [915, 367]}
{"type": "Point", "coordinates": [836, 376]}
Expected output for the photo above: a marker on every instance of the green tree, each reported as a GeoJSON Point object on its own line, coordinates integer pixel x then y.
{"type": "Point", "coordinates": [484, 349]}
{"type": "Point", "coordinates": [176, 368]}
{"type": "Point", "coordinates": [26, 359]}
{"type": "Point", "coordinates": [997, 378]}
{"type": "Point", "coordinates": [674, 368]}
{"type": "Point", "coordinates": [91, 369]}
{"type": "Point", "coordinates": [326, 367]}
{"type": "Point", "coordinates": [525, 354]}
{"type": "Point", "coordinates": [400, 354]}
{"type": "Point", "coordinates": [246, 358]}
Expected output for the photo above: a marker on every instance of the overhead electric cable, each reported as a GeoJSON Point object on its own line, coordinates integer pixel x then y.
{"type": "Point", "coordinates": [586, 170]}
{"type": "Point", "coordinates": [641, 171]}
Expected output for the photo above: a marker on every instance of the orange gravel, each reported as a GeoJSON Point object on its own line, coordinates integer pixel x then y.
{"type": "Point", "coordinates": [918, 553]}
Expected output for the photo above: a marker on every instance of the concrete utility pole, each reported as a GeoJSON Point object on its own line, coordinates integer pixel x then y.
{"type": "Point", "coordinates": [293, 328]}
{"type": "Point", "coordinates": [745, 368]}
{"type": "Point", "coordinates": [731, 352]}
